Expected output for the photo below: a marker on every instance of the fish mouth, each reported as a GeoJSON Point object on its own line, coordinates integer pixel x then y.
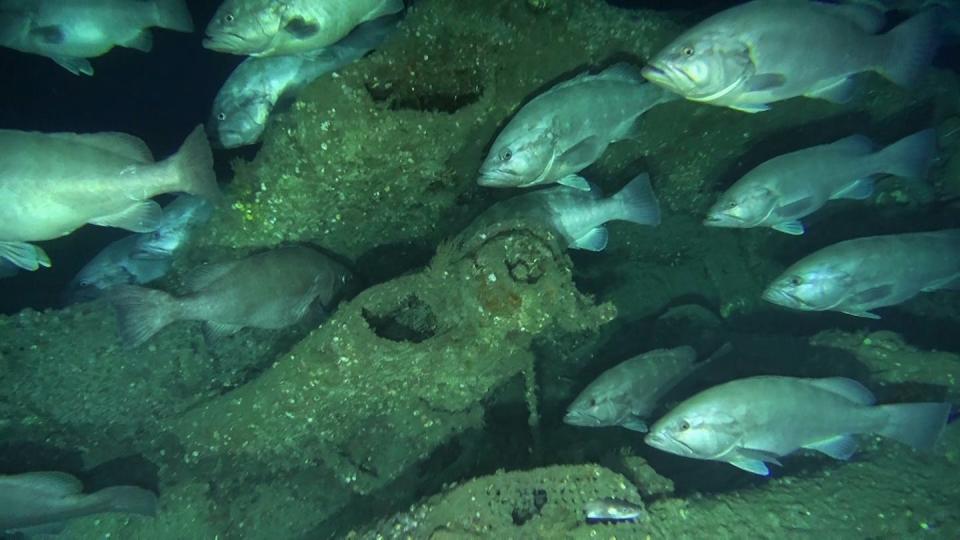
{"type": "Point", "coordinates": [656, 440]}
{"type": "Point", "coordinates": [664, 75]}
{"type": "Point", "coordinates": [781, 298]}
{"type": "Point", "coordinates": [725, 219]}
{"type": "Point", "coordinates": [495, 178]}
{"type": "Point", "coordinates": [579, 419]}
{"type": "Point", "coordinates": [226, 43]}
{"type": "Point", "coordinates": [653, 72]}
{"type": "Point", "coordinates": [667, 444]}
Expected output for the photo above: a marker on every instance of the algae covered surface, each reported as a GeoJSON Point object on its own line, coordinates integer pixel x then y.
{"type": "Point", "coordinates": [429, 403]}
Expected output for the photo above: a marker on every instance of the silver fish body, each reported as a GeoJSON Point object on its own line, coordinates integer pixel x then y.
{"type": "Point", "coordinates": [565, 129]}
{"type": "Point", "coordinates": [576, 216]}
{"type": "Point", "coordinates": [69, 32]}
{"type": "Point", "coordinates": [140, 258]}
{"type": "Point", "coordinates": [626, 394]}
{"type": "Point", "coordinates": [115, 265]}
{"type": "Point", "coordinates": [180, 218]}
{"type": "Point", "coordinates": [248, 96]}
{"type": "Point", "coordinates": [613, 510]}
{"type": "Point", "coordinates": [38, 499]}
{"type": "Point", "coordinates": [273, 289]}
{"type": "Point", "coordinates": [859, 275]}
{"type": "Point", "coordinates": [54, 183]}
{"type": "Point", "coordinates": [270, 28]}
{"type": "Point", "coordinates": [753, 421]}
{"type": "Point", "coordinates": [787, 188]}
{"type": "Point", "coordinates": [765, 51]}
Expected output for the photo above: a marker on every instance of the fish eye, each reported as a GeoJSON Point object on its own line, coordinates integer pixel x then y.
{"type": "Point", "coordinates": [684, 425]}
{"type": "Point", "coordinates": [228, 18]}
{"type": "Point", "coordinates": [506, 155]}
{"type": "Point", "coordinates": [222, 116]}
{"type": "Point", "coordinates": [795, 280]}
{"type": "Point", "coordinates": [732, 204]}
{"type": "Point", "coordinates": [687, 51]}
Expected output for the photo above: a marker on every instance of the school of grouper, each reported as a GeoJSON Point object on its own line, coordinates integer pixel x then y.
{"type": "Point", "coordinates": [746, 58]}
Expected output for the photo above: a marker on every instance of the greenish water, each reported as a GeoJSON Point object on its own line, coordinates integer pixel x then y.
{"type": "Point", "coordinates": [429, 404]}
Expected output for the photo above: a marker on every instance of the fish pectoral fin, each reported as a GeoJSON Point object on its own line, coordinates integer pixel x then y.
{"type": "Point", "coordinates": [797, 208]}
{"type": "Point", "coordinates": [871, 295]}
{"type": "Point", "coordinates": [754, 466]}
{"type": "Point", "coordinates": [952, 283]}
{"type": "Point", "coordinates": [141, 217]}
{"type": "Point", "coordinates": [790, 227]}
{"type": "Point", "coordinates": [863, 314]}
{"type": "Point", "coordinates": [141, 42]}
{"type": "Point", "coordinates": [595, 240]}
{"type": "Point", "coordinates": [74, 64]}
{"type": "Point", "coordinates": [753, 460]}
{"type": "Point", "coordinates": [859, 190]}
{"type": "Point", "coordinates": [762, 82]}
{"type": "Point", "coordinates": [583, 153]}
{"type": "Point", "coordinates": [834, 91]}
{"type": "Point", "coordinates": [53, 35]}
{"type": "Point", "coordinates": [576, 182]}
{"type": "Point", "coordinates": [635, 424]}
{"type": "Point", "coordinates": [751, 108]}
{"type": "Point", "coordinates": [841, 447]}
{"type": "Point", "coordinates": [24, 255]}
{"type": "Point", "coordinates": [214, 331]}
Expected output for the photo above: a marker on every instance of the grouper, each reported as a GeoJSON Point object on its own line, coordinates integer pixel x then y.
{"type": "Point", "coordinates": [53, 183]}
{"type": "Point", "coordinates": [271, 28]}
{"type": "Point", "coordinates": [754, 54]}
{"type": "Point", "coordinates": [40, 502]}
{"type": "Point", "coordinates": [565, 129]}
{"type": "Point", "coordinates": [754, 421]}
{"type": "Point", "coordinates": [781, 191]}
{"type": "Point", "coordinates": [70, 31]}
{"type": "Point", "coordinates": [859, 275]}
{"type": "Point", "coordinates": [272, 289]}
{"type": "Point", "coordinates": [577, 217]}
{"type": "Point", "coordinates": [627, 394]}
{"type": "Point", "coordinates": [248, 96]}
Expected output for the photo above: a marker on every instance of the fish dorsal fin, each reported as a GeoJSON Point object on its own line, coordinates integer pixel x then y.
{"type": "Point", "coordinates": [203, 276]}
{"type": "Point", "coordinates": [622, 72]}
{"type": "Point", "coordinates": [845, 387]}
{"type": "Point", "coordinates": [54, 483]}
{"type": "Point", "coordinates": [121, 144]}
{"type": "Point", "coordinates": [618, 72]}
{"type": "Point", "coordinates": [865, 17]}
{"type": "Point", "coordinates": [855, 144]}
{"type": "Point", "coordinates": [635, 423]}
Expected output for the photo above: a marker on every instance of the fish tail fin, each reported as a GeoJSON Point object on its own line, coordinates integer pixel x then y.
{"type": "Point", "coordinates": [127, 499]}
{"type": "Point", "coordinates": [911, 156]}
{"type": "Point", "coordinates": [916, 424]}
{"type": "Point", "coordinates": [193, 165]}
{"type": "Point", "coordinates": [910, 47]}
{"type": "Point", "coordinates": [174, 15]}
{"type": "Point", "coordinates": [636, 202]}
{"type": "Point", "coordinates": [141, 312]}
